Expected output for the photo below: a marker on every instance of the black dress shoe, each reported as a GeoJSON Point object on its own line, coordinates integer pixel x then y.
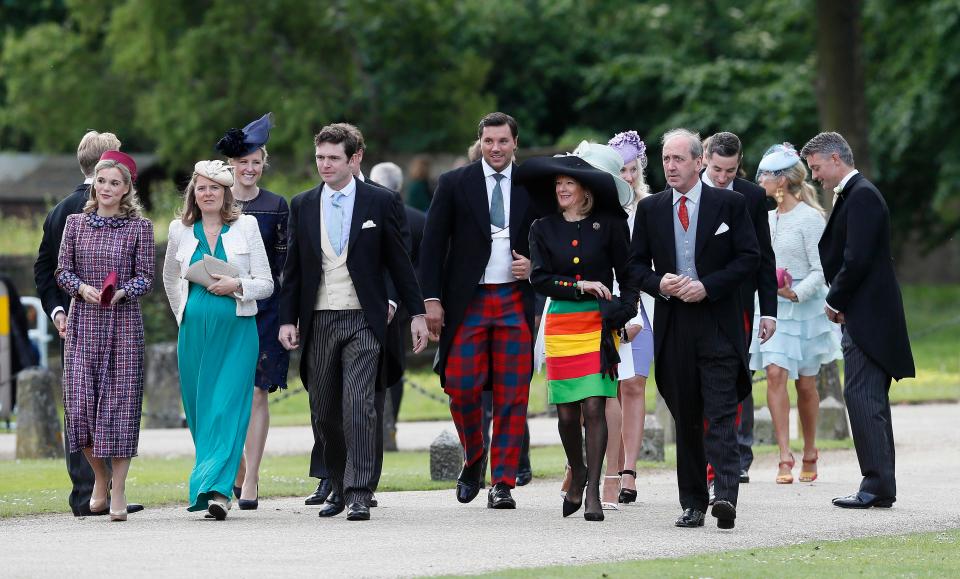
{"type": "Point", "coordinates": [690, 518]}
{"type": "Point", "coordinates": [358, 512]}
{"type": "Point", "coordinates": [333, 506]}
{"type": "Point", "coordinates": [499, 497]}
{"type": "Point", "coordinates": [469, 481]}
{"type": "Point", "coordinates": [134, 508]}
{"type": "Point", "coordinates": [725, 513]}
{"type": "Point", "coordinates": [320, 495]}
{"type": "Point", "coordinates": [524, 477]}
{"type": "Point", "coordinates": [864, 500]}
{"type": "Point", "coordinates": [744, 477]}
{"type": "Point", "coordinates": [372, 501]}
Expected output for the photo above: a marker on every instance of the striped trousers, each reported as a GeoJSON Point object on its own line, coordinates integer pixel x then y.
{"type": "Point", "coordinates": [343, 360]}
{"type": "Point", "coordinates": [866, 390]}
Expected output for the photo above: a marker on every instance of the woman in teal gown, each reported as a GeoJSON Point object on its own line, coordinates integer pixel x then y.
{"type": "Point", "coordinates": [218, 344]}
{"type": "Point", "coordinates": [218, 360]}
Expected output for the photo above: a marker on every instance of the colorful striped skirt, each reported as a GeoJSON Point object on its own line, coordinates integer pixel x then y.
{"type": "Point", "coordinates": [572, 336]}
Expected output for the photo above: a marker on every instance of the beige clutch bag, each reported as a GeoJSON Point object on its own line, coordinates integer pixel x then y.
{"type": "Point", "coordinates": [201, 272]}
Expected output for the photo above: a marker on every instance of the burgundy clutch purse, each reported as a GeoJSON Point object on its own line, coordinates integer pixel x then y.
{"type": "Point", "coordinates": [109, 288]}
{"type": "Point", "coordinates": [784, 279]}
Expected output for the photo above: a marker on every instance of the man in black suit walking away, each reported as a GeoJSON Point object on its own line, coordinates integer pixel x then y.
{"type": "Point", "coordinates": [722, 156]}
{"type": "Point", "coordinates": [57, 304]}
{"type": "Point", "coordinates": [345, 235]}
{"type": "Point", "coordinates": [864, 298]}
{"type": "Point", "coordinates": [702, 247]}
{"type": "Point", "coordinates": [474, 266]}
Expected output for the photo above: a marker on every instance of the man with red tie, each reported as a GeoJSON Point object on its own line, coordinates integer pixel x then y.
{"type": "Point", "coordinates": [693, 246]}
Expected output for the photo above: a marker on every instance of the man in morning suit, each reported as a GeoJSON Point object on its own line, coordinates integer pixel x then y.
{"type": "Point", "coordinates": [344, 236]}
{"type": "Point", "coordinates": [864, 298]}
{"type": "Point", "coordinates": [57, 304]}
{"type": "Point", "coordinates": [722, 156]}
{"type": "Point", "coordinates": [392, 368]}
{"type": "Point", "coordinates": [474, 267]}
{"type": "Point", "coordinates": [702, 247]}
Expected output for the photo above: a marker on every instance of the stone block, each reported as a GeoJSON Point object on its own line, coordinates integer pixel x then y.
{"type": "Point", "coordinates": [38, 423]}
{"type": "Point", "coordinates": [446, 457]}
{"type": "Point", "coordinates": [666, 420]}
{"type": "Point", "coordinates": [763, 427]}
{"type": "Point", "coordinates": [161, 389]}
{"type": "Point", "coordinates": [652, 448]}
{"type": "Point", "coordinates": [832, 421]}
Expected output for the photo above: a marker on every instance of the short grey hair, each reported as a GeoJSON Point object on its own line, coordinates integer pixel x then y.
{"type": "Point", "coordinates": [828, 144]}
{"type": "Point", "coordinates": [696, 146]}
{"type": "Point", "coordinates": [388, 174]}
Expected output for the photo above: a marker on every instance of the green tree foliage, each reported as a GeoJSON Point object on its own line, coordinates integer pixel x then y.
{"type": "Point", "coordinates": [416, 75]}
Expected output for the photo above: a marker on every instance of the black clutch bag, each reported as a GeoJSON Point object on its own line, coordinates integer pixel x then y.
{"type": "Point", "coordinates": [614, 314]}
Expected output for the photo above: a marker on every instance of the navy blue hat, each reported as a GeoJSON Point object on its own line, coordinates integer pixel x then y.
{"type": "Point", "coordinates": [240, 143]}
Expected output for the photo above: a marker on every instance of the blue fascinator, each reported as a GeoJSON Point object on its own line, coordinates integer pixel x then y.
{"type": "Point", "coordinates": [777, 159]}
{"type": "Point", "coordinates": [241, 142]}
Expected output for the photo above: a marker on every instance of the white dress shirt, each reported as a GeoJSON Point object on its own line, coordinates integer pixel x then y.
{"type": "Point", "coordinates": [501, 259]}
{"type": "Point", "coordinates": [709, 182]}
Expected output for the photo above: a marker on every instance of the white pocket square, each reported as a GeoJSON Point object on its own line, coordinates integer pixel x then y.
{"type": "Point", "coordinates": [368, 224]}
{"type": "Point", "coordinates": [722, 229]}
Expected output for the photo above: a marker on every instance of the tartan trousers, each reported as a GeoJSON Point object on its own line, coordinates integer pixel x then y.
{"type": "Point", "coordinates": [492, 347]}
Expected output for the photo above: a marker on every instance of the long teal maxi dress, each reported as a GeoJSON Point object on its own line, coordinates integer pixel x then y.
{"type": "Point", "coordinates": [217, 352]}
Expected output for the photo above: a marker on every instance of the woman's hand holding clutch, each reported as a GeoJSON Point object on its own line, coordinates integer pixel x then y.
{"type": "Point", "coordinates": [225, 285]}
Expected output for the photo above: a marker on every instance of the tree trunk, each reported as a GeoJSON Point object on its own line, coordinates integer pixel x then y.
{"type": "Point", "coordinates": [840, 87]}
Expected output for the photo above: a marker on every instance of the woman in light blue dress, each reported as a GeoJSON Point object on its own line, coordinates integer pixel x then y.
{"type": "Point", "coordinates": [805, 339]}
{"type": "Point", "coordinates": [218, 344]}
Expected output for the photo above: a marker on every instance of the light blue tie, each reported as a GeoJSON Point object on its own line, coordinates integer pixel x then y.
{"type": "Point", "coordinates": [497, 218]}
{"type": "Point", "coordinates": [335, 223]}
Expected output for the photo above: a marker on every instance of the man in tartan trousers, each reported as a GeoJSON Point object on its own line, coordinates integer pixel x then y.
{"type": "Point", "coordinates": [474, 267]}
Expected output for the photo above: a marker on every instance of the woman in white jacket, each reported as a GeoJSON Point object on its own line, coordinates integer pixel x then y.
{"type": "Point", "coordinates": [217, 346]}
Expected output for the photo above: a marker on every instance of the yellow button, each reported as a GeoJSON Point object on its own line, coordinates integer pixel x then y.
{"type": "Point", "coordinates": [576, 260]}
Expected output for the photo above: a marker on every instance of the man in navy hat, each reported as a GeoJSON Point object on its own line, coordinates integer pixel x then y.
{"type": "Point", "coordinates": [864, 298]}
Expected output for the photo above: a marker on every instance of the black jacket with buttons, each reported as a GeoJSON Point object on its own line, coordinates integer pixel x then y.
{"type": "Point", "coordinates": [592, 249]}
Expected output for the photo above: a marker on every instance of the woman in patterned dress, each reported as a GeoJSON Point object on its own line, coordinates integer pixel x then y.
{"type": "Point", "coordinates": [575, 250]}
{"type": "Point", "coordinates": [247, 153]}
{"type": "Point", "coordinates": [217, 346]}
{"type": "Point", "coordinates": [103, 353]}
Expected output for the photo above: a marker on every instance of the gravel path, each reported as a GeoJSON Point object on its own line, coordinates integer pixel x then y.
{"type": "Point", "coordinates": [425, 533]}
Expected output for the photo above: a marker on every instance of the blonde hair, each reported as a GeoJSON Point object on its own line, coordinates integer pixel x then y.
{"type": "Point", "coordinates": [91, 147]}
{"type": "Point", "coordinates": [189, 213]}
{"type": "Point", "coordinates": [799, 187]}
{"type": "Point", "coordinates": [129, 204]}
{"type": "Point", "coordinates": [640, 187]}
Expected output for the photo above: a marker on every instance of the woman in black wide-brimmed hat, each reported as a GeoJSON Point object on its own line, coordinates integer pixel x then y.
{"type": "Point", "coordinates": [575, 250]}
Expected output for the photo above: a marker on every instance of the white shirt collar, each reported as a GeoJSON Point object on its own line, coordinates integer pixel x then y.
{"type": "Point", "coordinates": [843, 182]}
{"type": "Point", "coordinates": [709, 182]}
{"type": "Point", "coordinates": [361, 177]}
{"type": "Point", "coordinates": [346, 191]}
{"type": "Point", "coordinates": [88, 181]}
{"type": "Point", "coordinates": [692, 195]}
{"type": "Point", "coordinates": [488, 170]}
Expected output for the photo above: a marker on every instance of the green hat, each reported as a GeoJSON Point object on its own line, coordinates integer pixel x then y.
{"type": "Point", "coordinates": [606, 158]}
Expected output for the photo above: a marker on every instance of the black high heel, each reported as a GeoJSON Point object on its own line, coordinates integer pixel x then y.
{"type": "Point", "coordinates": [236, 491]}
{"type": "Point", "coordinates": [628, 495]}
{"type": "Point", "coordinates": [594, 515]}
{"type": "Point", "coordinates": [570, 507]}
{"type": "Point", "coordinates": [249, 504]}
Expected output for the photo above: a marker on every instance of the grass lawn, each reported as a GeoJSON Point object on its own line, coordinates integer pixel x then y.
{"type": "Point", "coordinates": [42, 486]}
{"type": "Point", "coordinates": [915, 555]}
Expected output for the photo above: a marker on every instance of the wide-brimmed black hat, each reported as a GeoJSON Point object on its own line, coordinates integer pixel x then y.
{"type": "Point", "coordinates": [539, 174]}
